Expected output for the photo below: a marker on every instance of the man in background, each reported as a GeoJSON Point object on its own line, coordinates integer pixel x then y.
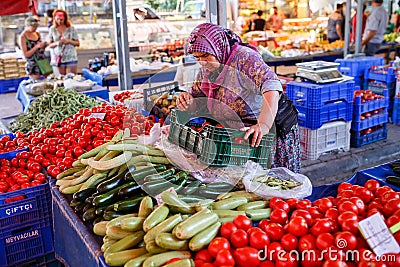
{"type": "Point", "coordinates": [259, 24]}
{"type": "Point", "coordinates": [275, 20]}
{"type": "Point", "coordinates": [375, 28]}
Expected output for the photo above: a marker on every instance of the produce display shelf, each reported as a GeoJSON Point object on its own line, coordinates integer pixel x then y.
{"type": "Point", "coordinates": [355, 67]}
{"type": "Point", "coordinates": [331, 136]}
{"type": "Point", "coordinates": [370, 105]}
{"type": "Point", "coordinates": [314, 118]}
{"type": "Point", "coordinates": [32, 203]}
{"type": "Point", "coordinates": [358, 140]}
{"type": "Point", "coordinates": [312, 95]}
{"type": "Point", "coordinates": [25, 241]}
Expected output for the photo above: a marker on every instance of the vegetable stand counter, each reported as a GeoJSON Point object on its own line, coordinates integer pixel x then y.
{"type": "Point", "coordinates": [26, 99]}
{"type": "Point", "coordinates": [76, 245]}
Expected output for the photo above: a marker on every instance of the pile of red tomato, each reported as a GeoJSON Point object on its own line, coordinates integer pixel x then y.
{"type": "Point", "coordinates": [127, 95]}
{"type": "Point", "coordinates": [57, 147]}
{"type": "Point", "coordinates": [367, 95]}
{"type": "Point", "coordinates": [326, 229]}
{"type": "Point", "coordinates": [7, 145]}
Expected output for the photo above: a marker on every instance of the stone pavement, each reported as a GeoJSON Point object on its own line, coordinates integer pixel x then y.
{"type": "Point", "coordinates": [328, 169]}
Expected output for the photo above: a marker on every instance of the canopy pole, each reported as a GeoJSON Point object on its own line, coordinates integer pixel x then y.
{"type": "Point", "coordinates": [217, 12]}
{"type": "Point", "coordinates": [360, 14]}
{"type": "Point", "coordinates": [347, 29]}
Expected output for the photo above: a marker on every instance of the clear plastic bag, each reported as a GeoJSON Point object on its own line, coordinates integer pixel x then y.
{"type": "Point", "coordinates": [265, 191]}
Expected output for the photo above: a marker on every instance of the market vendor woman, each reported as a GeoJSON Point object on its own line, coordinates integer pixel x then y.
{"type": "Point", "coordinates": [235, 81]}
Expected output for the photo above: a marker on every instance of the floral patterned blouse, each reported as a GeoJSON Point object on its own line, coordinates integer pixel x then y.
{"type": "Point", "coordinates": [68, 51]}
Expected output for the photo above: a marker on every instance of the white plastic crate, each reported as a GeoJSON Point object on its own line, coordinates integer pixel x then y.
{"type": "Point", "coordinates": [132, 103]}
{"type": "Point", "coordinates": [330, 136]}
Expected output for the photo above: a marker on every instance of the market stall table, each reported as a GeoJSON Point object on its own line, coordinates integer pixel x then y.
{"type": "Point", "coordinates": [138, 77]}
{"type": "Point", "coordinates": [26, 99]}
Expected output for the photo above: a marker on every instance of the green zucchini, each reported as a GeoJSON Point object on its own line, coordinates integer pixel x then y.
{"type": "Point", "coordinates": [89, 215]}
{"type": "Point", "coordinates": [190, 188]}
{"type": "Point", "coordinates": [160, 175]}
{"type": "Point", "coordinates": [127, 205]}
{"type": "Point", "coordinates": [191, 198]}
{"type": "Point", "coordinates": [110, 183]}
{"type": "Point", "coordinates": [109, 215]}
{"type": "Point", "coordinates": [155, 187]}
{"type": "Point", "coordinates": [107, 198]}
{"type": "Point", "coordinates": [210, 193]}
{"type": "Point", "coordinates": [132, 190]}
{"type": "Point", "coordinates": [139, 175]}
{"type": "Point", "coordinates": [79, 207]}
{"type": "Point", "coordinates": [393, 180]}
{"type": "Point", "coordinates": [83, 194]}
{"type": "Point", "coordinates": [75, 202]}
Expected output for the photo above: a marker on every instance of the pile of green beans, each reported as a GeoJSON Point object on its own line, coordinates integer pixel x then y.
{"type": "Point", "coordinates": [56, 105]}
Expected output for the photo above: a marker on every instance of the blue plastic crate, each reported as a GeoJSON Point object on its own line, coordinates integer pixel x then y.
{"type": "Point", "coordinates": [311, 95]}
{"type": "Point", "coordinates": [10, 85]}
{"type": "Point", "coordinates": [387, 75]}
{"type": "Point", "coordinates": [359, 81]}
{"type": "Point", "coordinates": [362, 107]}
{"type": "Point", "coordinates": [372, 121]}
{"type": "Point", "coordinates": [358, 140]}
{"type": "Point", "coordinates": [314, 118]}
{"type": "Point", "coordinates": [48, 260]}
{"type": "Point", "coordinates": [12, 154]}
{"type": "Point", "coordinates": [25, 241]}
{"type": "Point", "coordinates": [355, 67]}
{"type": "Point", "coordinates": [396, 111]}
{"type": "Point", "coordinates": [35, 205]}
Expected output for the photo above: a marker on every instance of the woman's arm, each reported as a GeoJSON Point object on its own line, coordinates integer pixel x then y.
{"type": "Point", "coordinates": [265, 120]}
{"type": "Point", "coordinates": [22, 43]}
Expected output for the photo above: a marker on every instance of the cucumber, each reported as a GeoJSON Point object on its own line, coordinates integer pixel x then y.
{"type": "Point", "coordinates": [195, 224]}
{"type": "Point", "coordinates": [153, 248]}
{"type": "Point", "coordinates": [202, 239]}
{"type": "Point", "coordinates": [258, 214]}
{"type": "Point", "coordinates": [121, 257]}
{"type": "Point", "coordinates": [100, 228]}
{"type": "Point", "coordinates": [117, 221]}
{"type": "Point", "coordinates": [157, 186]}
{"type": "Point", "coordinates": [132, 223]}
{"type": "Point", "coordinates": [139, 175]}
{"type": "Point", "coordinates": [115, 232]}
{"type": "Point", "coordinates": [127, 242]}
{"type": "Point", "coordinates": [171, 242]}
{"type": "Point", "coordinates": [107, 198]}
{"type": "Point", "coordinates": [163, 258]}
{"type": "Point", "coordinates": [160, 175]}
{"type": "Point", "coordinates": [163, 227]}
{"type": "Point", "coordinates": [173, 200]}
{"type": "Point", "coordinates": [158, 215]}
{"type": "Point", "coordinates": [259, 204]}
{"type": "Point", "coordinates": [127, 205]}
{"type": "Point", "coordinates": [138, 261]}
{"type": "Point", "coordinates": [229, 213]}
{"type": "Point", "coordinates": [135, 189]}
{"type": "Point", "coordinates": [210, 193]}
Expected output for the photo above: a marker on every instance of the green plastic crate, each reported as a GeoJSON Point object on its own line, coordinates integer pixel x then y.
{"type": "Point", "coordinates": [217, 146]}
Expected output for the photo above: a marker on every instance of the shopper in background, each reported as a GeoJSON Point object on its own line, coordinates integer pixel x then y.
{"type": "Point", "coordinates": [64, 40]}
{"type": "Point", "coordinates": [275, 20]}
{"type": "Point", "coordinates": [49, 14]}
{"type": "Point", "coordinates": [234, 82]}
{"type": "Point", "coordinates": [250, 21]}
{"type": "Point", "coordinates": [375, 28]}
{"type": "Point", "coordinates": [32, 47]}
{"type": "Point", "coordinates": [354, 25]}
{"type": "Point", "coordinates": [335, 23]}
{"type": "Point", "coordinates": [259, 24]}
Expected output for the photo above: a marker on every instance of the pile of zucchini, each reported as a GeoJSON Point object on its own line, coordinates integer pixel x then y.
{"type": "Point", "coordinates": [394, 179]}
{"type": "Point", "coordinates": [173, 229]}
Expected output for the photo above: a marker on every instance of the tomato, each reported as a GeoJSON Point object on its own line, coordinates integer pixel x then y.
{"type": "Point", "coordinates": [282, 205]}
{"type": "Point", "coordinates": [311, 258]}
{"type": "Point", "coordinates": [286, 260]}
{"type": "Point", "coordinates": [208, 264]}
{"type": "Point", "coordinates": [224, 258]}
{"type": "Point", "coordinates": [374, 205]}
{"type": "Point", "coordinates": [198, 263]}
{"type": "Point", "coordinates": [323, 204]}
{"type": "Point", "coordinates": [242, 222]}
{"type": "Point", "coordinates": [204, 256]}
{"type": "Point", "coordinates": [217, 244]}
{"type": "Point", "coordinates": [254, 229]}
{"type": "Point", "coordinates": [321, 226]}
{"type": "Point", "coordinates": [315, 214]}
{"type": "Point", "coordinates": [227, 229]}
{"type": "Point", "coordinates": [365, 194]}
{"type": "Point", "coordinates": [274, 231]}
{"type": "Point", "coordinates": [239, 238]}
{"type": "Point", "coordinates": [40, 177]}
{"type": "Point", "coordinates": [344, 186]}
{"type": "Point", "coordinates": [306, 242]}
{"type": "Point", "coordinates": [372, 185]}
{"type": "Point", "coordinates": [259, 239]}
{"type": "Point", "coordinates": [305, 214]}
{"type": "Point", "coordinates": [35, 167]}
{"type": "Point", "coordinates": [289, 242]}
{"type": "Point", "coordinates": [347, 206]}
{"type": "Point", "coordinates": [382, 190]}
{"type": "Point", "coordinates": [392, 220]}
{"type": "Point", "coordinates": [267, 263]}
{"type": "Point", "coordinates": [298, 226]}
{"type": "Point", "coordinates": [279, 216]}
{"type": "Point", "coordinates": [273, 201]}
{"type": "Point", "coordinates": [263, 223]}
{"type": "Point", "coordinates": [391, 207]}
{"type": "Point", "coordinates": [347, 215]}
{"type": "Point", "coordinates": [324, 241]}
{"type": "Point", "coordinates": [346, 241]}
{"type": "Point", "coordinates": [359, 203]}
{"type": "Point", "coordinates": [388, 196]}
{"type": "Point", "coordinates": [246, 256]}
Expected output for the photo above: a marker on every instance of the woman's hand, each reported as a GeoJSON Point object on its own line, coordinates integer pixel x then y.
{"type": "Point", "coordinates": [184, 101]}
{"type": "Point", "coordinates": [258, 131]}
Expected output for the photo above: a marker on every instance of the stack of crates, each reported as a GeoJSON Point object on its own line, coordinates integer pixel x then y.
{"type": "Point", "coordinates": [26, 232]}
{"type": "Point", "coordinates": [12, 72]}
{"type": "Point", "coordinates": [356, 67]}
{"type": "Point", "coordinates": [325, 113]}
{"type": "Point", "coordinates": [369, 119]}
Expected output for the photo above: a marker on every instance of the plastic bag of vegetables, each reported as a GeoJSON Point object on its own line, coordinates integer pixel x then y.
{"type": "Point", "coordinates": [277, 182]}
